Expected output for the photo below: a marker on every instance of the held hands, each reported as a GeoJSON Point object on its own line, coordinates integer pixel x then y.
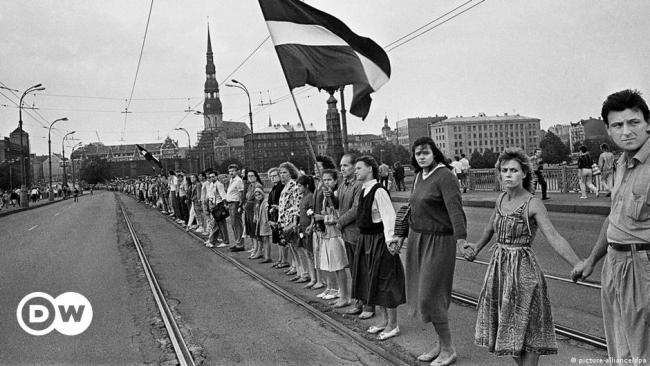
{"type": "Point", "coordinates": [395, 246]}
{"type": "Point", "coordinates": [582, 270]}
{"type": "Point", "coordinates": [469, 252]}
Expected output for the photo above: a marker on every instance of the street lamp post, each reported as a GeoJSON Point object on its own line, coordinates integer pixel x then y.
{"type": "Point", "coordinates": [11, 180]}
{"type": "Point", "coordinates": [241, 86]}
{"type": "Point", "coordinates": [65, 178]}
{"type": "Point", "coordinates": [24, 201]}
{"type": "Point", "coordinates": [189, 144]}
{"type": "Point", "coordinates": [49, 153]}
{"type": "Point", "coordinates": [72, 162]}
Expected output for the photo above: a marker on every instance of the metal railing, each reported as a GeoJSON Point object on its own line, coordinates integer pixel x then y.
{"type": "Point", "coordinates": [559, 179]}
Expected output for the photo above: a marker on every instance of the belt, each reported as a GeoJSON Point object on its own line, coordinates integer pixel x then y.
{"type": "Point", "coordinates": [628, 247]}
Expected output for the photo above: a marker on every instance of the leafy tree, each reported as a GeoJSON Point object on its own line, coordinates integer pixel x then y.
{"type": "Point", "coordinates": [477, 161]}
{"type": "Point", "coordinates": [490, 158]}
{"type": "Point", "coordinates": [95, 171]}
{"type": "Point", "coordinates": [223, 167]}
{"type": "Point", "coordinates": [554, 151]}
{"type": "Point", "coordinates": [390, 153]}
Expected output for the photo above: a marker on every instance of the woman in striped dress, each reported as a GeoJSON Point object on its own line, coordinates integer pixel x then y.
{"type": "Point", "coordinates": [514, 311]}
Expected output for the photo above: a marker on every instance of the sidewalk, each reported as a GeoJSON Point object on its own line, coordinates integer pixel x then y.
{"type": "Point", "coordinates": [558, 202]}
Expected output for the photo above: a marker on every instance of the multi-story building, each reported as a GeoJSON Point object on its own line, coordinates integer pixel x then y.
{"type": "Point", "coordinates": [576, 135]}
{"type": "Point", "coordinates": [57, 168]}
{"type": "Point", "coordinates": [409, 129]}
{"type": "Point", "coordinates": [458, 135]}
{"type": "Point", "coordinates": [365, 143]}
{"type": "Point", "coordinates": [561, 131]}
{"type": "Point", "coordinates": [275, 144]}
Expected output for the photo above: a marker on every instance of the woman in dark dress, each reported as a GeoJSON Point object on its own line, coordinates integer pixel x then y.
{"type": "Point", "coordinates": [379, 275]}
{"type": "Point", "coordinates": [253, 180]}
{"type": "Point", "coordinates": [437, 224]}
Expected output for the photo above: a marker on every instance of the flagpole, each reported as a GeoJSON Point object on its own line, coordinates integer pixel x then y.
{"type": "Point", "coordinates": [304, 129]}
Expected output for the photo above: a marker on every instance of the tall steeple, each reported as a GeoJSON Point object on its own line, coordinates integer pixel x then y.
{"type": "Point", "coordinates": [212, 113]}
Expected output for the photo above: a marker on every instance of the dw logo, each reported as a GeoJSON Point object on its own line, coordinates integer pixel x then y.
{"type": "Point", "coordinates": [70, 313]}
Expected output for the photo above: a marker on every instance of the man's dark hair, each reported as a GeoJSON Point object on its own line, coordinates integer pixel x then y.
{"type": "Point", "coordinates": [583, 149]}
{"type": "Point", "coordinates": [326, 161]}
{"type": "Point", "coordinates": [462, 155]}
{"type": "Point", "coordinates": [171, 172]}
{"type": "Point", "coordinates": [371, 162]}
{"type": "Point", "coordinates": [604, 147]}
{"type": "Point", "coordinates": [625, 99]}
{"type": "Point", "coordinates": [332, 172]}
{"type": "Point", "coordinates": [233, 166]}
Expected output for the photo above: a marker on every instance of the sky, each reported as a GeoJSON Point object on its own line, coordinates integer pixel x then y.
{"type": "Point", "coordinates": [555, 60]}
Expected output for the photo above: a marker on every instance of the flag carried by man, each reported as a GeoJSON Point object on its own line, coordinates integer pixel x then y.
{"type": "Point", "coordinates": [316, 48]}
{"type": "Point", "coordinates": [150, 158]}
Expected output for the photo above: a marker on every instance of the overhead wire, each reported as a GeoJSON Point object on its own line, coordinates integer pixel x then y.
{"type": "Point", "coordinates": [434, 27]}
{"type": "Point", "coordinates": [137, 70]}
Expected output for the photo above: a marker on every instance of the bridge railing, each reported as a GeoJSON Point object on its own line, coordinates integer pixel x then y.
{"type": "Point", "coordinates": [559, 179]}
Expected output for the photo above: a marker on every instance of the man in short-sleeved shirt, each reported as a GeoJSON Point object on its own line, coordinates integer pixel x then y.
{"type": "Point", "coordinates": [624, 239]}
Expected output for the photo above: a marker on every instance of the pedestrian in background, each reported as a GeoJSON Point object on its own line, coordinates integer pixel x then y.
{"type": "Point", "coordinates": [379, 278]}
{"type": "Point", "coordinates": [624, 239]}
{"type": "Point", "coordinates": [384, 173]}
{"type": "Point", "coordinates": [585, 174]}
{"type": "Point", "coordinates": [606, 165]}
{"type": "Point", "coordinates": [398, 175]}
{"type": "Point", "coordinates": [538, 171]}
{"type": "Point", "coordinates": [514, 311]}
{"type": "Point", "coordinates": [437, 226]}
{"type": "Point", "coordinates": [466, 167]}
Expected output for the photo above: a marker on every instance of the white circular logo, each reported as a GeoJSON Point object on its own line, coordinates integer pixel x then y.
{"type": "Point", "coordinates": [70, 313]}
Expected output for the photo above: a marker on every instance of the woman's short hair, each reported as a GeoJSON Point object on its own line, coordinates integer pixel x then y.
{"type": "Point", "coordinates": [518, 155]}
{"type": "Point", "coordinates": [333, 173]}
{"type": "Point", "coordinates": [293, 171]}
{"type": "Point", "coordinates": [307, 181]}
{"type": "Point", "coordinates": [271, 171]}
{"type": "Point", "coordinates": [583, 149]}
{"type": "Point", "coordinates": [371, 162]}
{"type": "Point", "coordinates": [438, 156]}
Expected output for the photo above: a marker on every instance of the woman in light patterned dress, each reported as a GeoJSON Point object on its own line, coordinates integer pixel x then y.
{"type": "Point", "coordinates": [514, 311]}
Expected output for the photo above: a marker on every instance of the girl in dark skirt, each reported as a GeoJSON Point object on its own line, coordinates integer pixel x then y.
{"type": "Point", "coordinates": [437, 224]}
{"type": "Point", "coordinates": [249, 211]}
{"type": "Point", "coordinates": [379, 276]}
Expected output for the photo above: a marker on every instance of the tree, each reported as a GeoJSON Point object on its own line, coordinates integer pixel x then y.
{"type": "Point", "coordinates": [490, 158]}
{"type": "Point", "coordinates": [554, 151]}
{"type": "Point", "coordinates": [476, 161]}
{"type": "Point", "coordinates": [95, 171]}
{"type": "Point", "coordinates": [390, 153]}
{"type": "Point", "coordinates": [223, 167]}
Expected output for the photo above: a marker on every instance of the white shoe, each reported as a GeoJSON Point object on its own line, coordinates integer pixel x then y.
{"type": "Point", "coordinates": [209, 245]}
{"type": "Point", "coordinates": [222, 245]}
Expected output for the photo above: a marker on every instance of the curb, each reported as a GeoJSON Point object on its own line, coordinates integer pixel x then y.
{"type": "Point", "coordinates": [552, 207]}
{"type": "Point", "coordinates": [2, 214]}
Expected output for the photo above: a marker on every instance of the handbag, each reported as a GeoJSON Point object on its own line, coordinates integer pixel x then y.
{"type": "Point", "coordinates": [219, 212]}
{"type": "Point", "coordinates": [595, 170]}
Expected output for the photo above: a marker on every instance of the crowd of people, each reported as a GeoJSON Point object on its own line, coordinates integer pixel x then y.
{"type": "Point", "coordinates": [10, 198]}
{"type": "Point", "coordinates": [337, 232]}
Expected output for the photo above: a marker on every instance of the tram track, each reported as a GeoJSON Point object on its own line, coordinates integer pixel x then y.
{"type": "Point", "coordinates": [183, 354]}
{"type": "Point", "coordinates": [565, 331]}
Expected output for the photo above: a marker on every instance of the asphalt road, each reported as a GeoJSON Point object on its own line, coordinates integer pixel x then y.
{"type": "Point", "coordinates": [227, 317]}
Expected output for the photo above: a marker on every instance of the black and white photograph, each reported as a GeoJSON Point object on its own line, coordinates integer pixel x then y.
{"type": "Point", "coordinates": [324, 182]}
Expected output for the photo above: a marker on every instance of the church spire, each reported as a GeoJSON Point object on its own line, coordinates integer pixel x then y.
{"type": "Point", "coordinates": [212, 112]}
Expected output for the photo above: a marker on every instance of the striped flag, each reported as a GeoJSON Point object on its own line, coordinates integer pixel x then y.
{"type": "Point", "coordinates": [316, 48]}
{"type": "Point", "coordinates": [150, 158]}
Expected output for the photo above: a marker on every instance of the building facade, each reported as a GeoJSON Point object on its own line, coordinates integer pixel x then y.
{"type": "Point", "coordinates": [561, 131]}
{"type": "Point", "coordinates": [409, 129]}
{"type": "Point", "coordinates": [364, 143]}
{"type": "Point", "coordinates": [275, 144]}
{"type": "Point", "coordinates": [458, 135]}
